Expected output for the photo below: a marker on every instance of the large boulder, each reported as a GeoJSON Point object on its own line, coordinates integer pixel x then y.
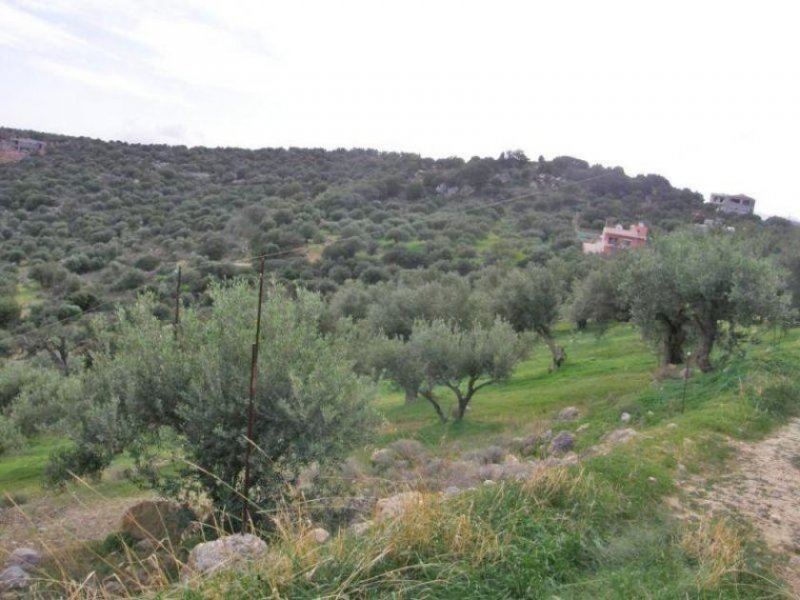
{"type": "Point", "coordinates": [156, 520]}
{"type": "Point", "coordinates": [14, 578]}
{"type": "Point", "coordinates": [229, 551]}
{"type": "Point", "coordinates": [24, 558]}
{"type": "Point", "coordinates": [395, 506]}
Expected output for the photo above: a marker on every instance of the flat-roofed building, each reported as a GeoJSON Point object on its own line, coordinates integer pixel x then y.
{"type": "Point", "coordinates": [738, 204]}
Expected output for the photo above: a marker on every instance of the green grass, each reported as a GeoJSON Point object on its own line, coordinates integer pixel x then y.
{"type": "Point", "coordinates": [21, 473]}
{"type": "Point", "coordinates": [598, 530]}
{"type": "Point", "coordinates": [601, 532]}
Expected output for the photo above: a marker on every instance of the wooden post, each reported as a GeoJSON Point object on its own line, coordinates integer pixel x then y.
{"type": "Point", "coordinates": [177, 304]}
{"type": "Point", "coordinates": [251, 404]}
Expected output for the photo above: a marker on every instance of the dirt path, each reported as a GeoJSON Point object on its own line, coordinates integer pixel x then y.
{"type": "Point", "coordinates": [764, 488]}
{"type": "Point", "coordinates": [53, 523]}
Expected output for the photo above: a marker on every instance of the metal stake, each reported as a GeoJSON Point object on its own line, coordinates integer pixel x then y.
{"type": "Point", "coordinates": [251, 404]}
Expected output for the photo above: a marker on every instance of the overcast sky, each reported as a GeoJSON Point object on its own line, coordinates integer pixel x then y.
{"type": "Point", "coordinates": [705, 93]}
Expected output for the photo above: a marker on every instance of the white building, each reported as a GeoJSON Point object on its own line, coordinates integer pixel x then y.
{"type": "Point", "coordinates": [733, 203]}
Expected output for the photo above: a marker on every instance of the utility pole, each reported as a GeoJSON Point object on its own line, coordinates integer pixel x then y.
{"type": "Point", "coordinates": [177, 304]}
{"type": "Point", "coordinates": [251, 404]}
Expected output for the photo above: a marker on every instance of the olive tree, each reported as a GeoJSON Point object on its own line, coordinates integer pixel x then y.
{"type": "Point", "coordinates": [597, 297]}
{"type": "Point", "coordinates": [309, 406]}
{"type": "Point", "coordinates": [694, 282]}
{"type": "Point", "coordinates": [463, 360]}
{"type": "Point", "coordinates": [530, 300]}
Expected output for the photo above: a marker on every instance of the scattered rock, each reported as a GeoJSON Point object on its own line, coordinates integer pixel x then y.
{"type": "Point", "coordinates": [562, 443]}
{"type": "Point", "coordinates": [619, 436]}
{"type": "Point", "coordinates": [14, 578]}
{"type": "Point", "coordinates": [452, 491]}
{"type": "Point", "coordinates": [228, 551]}
{"type": "Point", "coordinates": [156, 520]}
{"type": "Point", "coordinates": [395, 506]}
{"type": "Point", "coordinates": [145, 546]}
{"type": "Point", "coordinates": [382, 458]}
{"type": "Point", "coordinates": [625, 417]}
{"type": "Point", "coordinates": [582, 428]}
{"type": "Point", "coordinates": [361, 528]}
{"type": "Point", "coordinates": [114, 588]}
{"type": "Point", "coordinates": [510, 459]}
{"type": "Point", "coordinates": [569, 413]}
{"type": "Point", "coordinates": [318, 535]}
{"type": "Point", "coordinates": [672, 425]}
{"type": "Point", "coordinates": [489, 482]}
{"type": "Point", "coordinates": [25, 558]}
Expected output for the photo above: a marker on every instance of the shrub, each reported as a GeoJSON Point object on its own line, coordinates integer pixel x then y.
{"type": "Point", "coordinates": [9, 312]}
{"type": "Point", "coordinates": [309, 405]}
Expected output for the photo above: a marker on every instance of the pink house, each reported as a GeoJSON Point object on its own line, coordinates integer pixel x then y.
{"type": "Point", "coordinates": [616, 237]}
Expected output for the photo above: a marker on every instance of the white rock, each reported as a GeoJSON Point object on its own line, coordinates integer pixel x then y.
{"type": "Point", "coordinates": [395, 506]}
{"type": "Point", "coordinates": [13, 578]}
{"type": "Point", "coordinates": [228, 551]}
{"type": "Point", "coordinates": [625, 417]}
{"type": "Point", "coordinates": [318, 535]}
{"type": "Point", "coordinates": [569, 413]}
{"type": "Point", "coordinates": [361, 528]}
{"type": "Point", "coordinates": [24, 558]}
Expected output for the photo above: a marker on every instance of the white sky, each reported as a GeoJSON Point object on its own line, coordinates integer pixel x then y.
{"type": "Point", "coordinates": [706, 93]}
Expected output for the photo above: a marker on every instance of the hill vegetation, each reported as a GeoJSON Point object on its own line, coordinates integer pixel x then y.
{"type": "Point", "coordinates": [439, 310]}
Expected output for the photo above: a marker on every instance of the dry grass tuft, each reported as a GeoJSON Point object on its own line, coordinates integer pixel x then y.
{"type": "Point", "coordinates": [718, 547]}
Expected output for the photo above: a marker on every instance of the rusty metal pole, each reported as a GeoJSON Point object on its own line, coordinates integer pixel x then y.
{"type": "Point", "coordinates": [251, 404]}
{"type": "Point", "coordinates": [178, 303]}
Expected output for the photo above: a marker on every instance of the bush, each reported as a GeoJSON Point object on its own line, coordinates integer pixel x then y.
{"type": "Point", "coordinates": [10, 438]}
{"type": "Point", "coordinates": [780, 400]}
{"type": "Point", "coordinates": [309, 406]}
{"type": "Point", "coordinates": [44, 402]}
{"type": "Point", "coordinates": [81, 460]}
{"type": "Point", "coordinates": [9, 312]}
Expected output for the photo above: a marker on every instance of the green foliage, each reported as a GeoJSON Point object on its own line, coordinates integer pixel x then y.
{"type": "Point", "coordinates": [45, 401]}
{"type": "Point", "coordinates": [464, 360]}
{"type": "Point", "coordinates": [10, 437]}
{"type": "Point", "coordinates": [309, 405]}
{"type": "Point", "coordinates": [692, 282]}
{"type": "Point", "coordinates": [9, 312]}
{"type": "Point", "coordinates": [530, 300]}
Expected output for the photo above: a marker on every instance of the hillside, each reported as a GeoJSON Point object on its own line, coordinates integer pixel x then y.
{"type": "Point", "coordinates": [432, 392]}
{"type": "Point", "coordinates": [87, 223]}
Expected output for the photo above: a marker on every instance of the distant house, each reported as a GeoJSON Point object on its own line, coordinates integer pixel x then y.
{"type": "Point", "coordinates": [23, 145]}
{"type": "Point", "coordinates": [14, 149]}
{"type": "Point", "coordinates": [738, 204]}
{"type": "Point", "coordinates": [616, 237]}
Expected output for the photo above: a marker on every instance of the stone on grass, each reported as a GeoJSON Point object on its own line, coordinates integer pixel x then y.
{"type": "Point", "coordinates": [14, 578]}
{"type": "Point", "coordinates": [25, 558]}
{"type": "Point", "coordinates": [395, 506]}
{"type": "Point", "coordinates": [620, 436]}
{"type": "Point", "coordinates": [383, 458]}
{"type": "Point", "coordinates": [229, 551]}
{"type": "Point", "coordinates": [563, 442]}
{"type": "Point", "coordinates": [625, 417]}
{"type": "Point", "coordinates": [452, 490]}
{"type": "Point", "coordinates": [318, 535]}
{"type": "Point", "coordinates": [156, 520]}
{"type": "Point", "coordinates": [358, 529]}
{"type": "Point", "coordinates": [582, 428]}
{"type": "Point", "coordinates": [569, 413]}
